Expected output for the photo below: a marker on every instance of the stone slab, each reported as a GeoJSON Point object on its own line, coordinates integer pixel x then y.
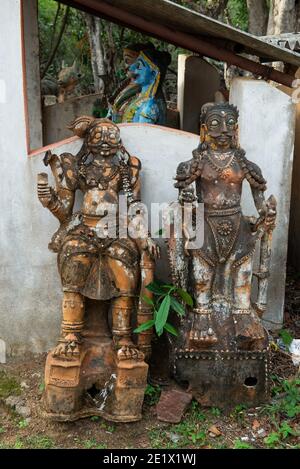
{"type": "Point", "coordinates": [172, 405]}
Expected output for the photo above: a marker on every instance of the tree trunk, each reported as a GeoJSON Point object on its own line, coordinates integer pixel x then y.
{"type": "Point", "coordinates": [258, 17]}
{"type": "Point", "coordinates": [283, 16]}
{"type": "Point", "coordinates": [99, 68]}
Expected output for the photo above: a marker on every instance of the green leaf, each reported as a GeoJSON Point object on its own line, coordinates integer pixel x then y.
{"type": "Point", "coordinates": [185, 296]}
{"type": "Point", "coordinates": [286, 337]}
{"type": "Point", "coordinates": [272, 439]}
{"type": "Point", "coordinates": [285, 430]}
{"type": "Point", "coordinates": [162, 314]}
{"type": "Point", "coordinates": [169, 328]}
{"type": "Point", "coordinates": [148, 300]}
{"type": "Point", "coordinates": [155, 288]}
{"type": "Point", "coordinates": [145, 326]}
{"type": "Point", "coordinates": [160, 232]}
{"type": "Point", "coordinates": [177, 307]}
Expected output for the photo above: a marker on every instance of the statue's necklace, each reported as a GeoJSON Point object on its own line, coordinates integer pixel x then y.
{"type": "Point", "coordinates": [96, 179]}
{"type": "Point", "coordinates": [213, 157]}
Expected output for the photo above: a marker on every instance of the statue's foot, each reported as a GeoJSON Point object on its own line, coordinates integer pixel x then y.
{"type": "Point", "coordinates": [201, 334]}
{"type": "Point", "coordinates": [127, 352]}
{"type": "Point", "coordinates": [68, 346]}
{"type": "Point", "coordinates": [248, 328]}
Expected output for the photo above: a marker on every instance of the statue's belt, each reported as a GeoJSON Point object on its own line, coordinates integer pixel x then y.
{"type": "Point", "coordinates": [91, 220]}
{"type": "Point", "coordinates": [222, 212]}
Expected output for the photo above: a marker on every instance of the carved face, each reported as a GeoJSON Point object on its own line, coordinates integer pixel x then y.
{"type": "Point", "coordinates": [221, 127]}
{"type": "Point", "coordinates": [104, 139]}
{"type": "Point", "coordinates": [142, 72]}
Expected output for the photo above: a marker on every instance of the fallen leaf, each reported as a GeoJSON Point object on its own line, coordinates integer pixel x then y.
{"type": "Point", "coordinates": [255, 424]}
{"type": "Point", "coordinates": [214, 430]}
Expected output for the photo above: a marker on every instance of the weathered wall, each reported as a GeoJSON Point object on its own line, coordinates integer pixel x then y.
{"type": "Point", "coordinates": [267, 133]}
{"type": "Point", "coordinates": [32, 73]}
{"type": "Point", "coordinates": [198, 81]}
{"type": "Point", "coordinates": [58, 116]}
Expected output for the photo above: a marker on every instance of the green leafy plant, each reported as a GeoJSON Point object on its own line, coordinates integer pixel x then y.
{"type": "Point", "coordinates": [196, 414]}
{"type": "Point", "coordinates": [41, 387]}
{"type": "Point", "coordinates": [239, 412]}
{"type": "Point", "coordinates": [165, 300]}
{"type": "Point", "coordinates": [239, 444]}
{"type": "Point", "coordinates": [283, 432]}
{"type": "Point", "coordinates": [286, 337]}
{"type": "Point", "coordinates": [8, 385]}
{"type": "Point", "coordinates": [94, 418]}
{"type": "Point", "coordinates": [40, 442]}
{"type": "Point", "coordinates": [152, 394]}
{"type": "Point", "coordinates": [216, 412]}
{"type": "Point", "coordinates": [286, 402]}
{"type": "Point", "coordinates": [89, 444]}
{"type": "Point", "coordinates": [23, 424]}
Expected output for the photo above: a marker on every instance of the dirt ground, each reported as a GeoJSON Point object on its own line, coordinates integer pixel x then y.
{"type": "Point", "coordinates": [275, 425]}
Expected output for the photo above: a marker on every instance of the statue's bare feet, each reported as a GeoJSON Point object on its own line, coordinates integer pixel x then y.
{"type": "Point", "coordinates": [201, 334]}
{"type": "Point", "coordinates": [69, 347]}
{"type": "Point", "coordinates": [248, 328]}
{"type": "Point", "coordinates": [130, 352]}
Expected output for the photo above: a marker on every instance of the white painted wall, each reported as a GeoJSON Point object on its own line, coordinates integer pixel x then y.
{"type": "Point", "coordinates": [267, 133]}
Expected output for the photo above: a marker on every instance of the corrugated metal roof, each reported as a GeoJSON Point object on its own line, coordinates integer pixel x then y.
{"type": "Point", "coordinates": [182, 19]}
{"type": "Point", "coordinates": [287, 41]}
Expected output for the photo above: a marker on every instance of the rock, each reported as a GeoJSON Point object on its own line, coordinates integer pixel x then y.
{"type": "Point", "coordinates": [261, 433]}
{"type": "Point", "coordinates": [13, 401]}
{"type": "Point", "coordinates": [174, 437]}
{"type": "Point", "coordinates": [214, 431]}
{"type": "Point", "coordinates": [172, 405]}
{"type": "Point", "coordinates": [24, 385]}
{"type": "Point", "coordinates": [2, 351]}
{"type": "Point", "coordinates": [23, 410]}
{"type": "Point", "coordinates": [255, 424]}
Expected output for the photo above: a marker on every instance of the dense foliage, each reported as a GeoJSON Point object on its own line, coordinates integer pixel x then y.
{"type": "Point", "coordinates": [74, 43]}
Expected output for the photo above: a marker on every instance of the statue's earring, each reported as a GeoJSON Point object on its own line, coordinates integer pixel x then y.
{"type": "Point", "coordinates": [236, 137]}
{"type": "Point", "coordinates": [203, 133]}
{"type": "Point", "coordinates": [203, 137]}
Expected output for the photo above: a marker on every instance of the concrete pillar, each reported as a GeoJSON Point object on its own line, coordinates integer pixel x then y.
{"type": "Point", "coordinates": [267, 133]}
{"type": "Point", "coordinates": [198, 82]}
{"type": "Point", "coordinates": [32, 73]}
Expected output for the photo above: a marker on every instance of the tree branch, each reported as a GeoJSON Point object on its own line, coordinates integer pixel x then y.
{"type": "Point", "coordinates": [54, 50]}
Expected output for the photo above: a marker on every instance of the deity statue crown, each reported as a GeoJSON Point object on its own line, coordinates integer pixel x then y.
{"type": "Point", "coordinates": [209, 108]}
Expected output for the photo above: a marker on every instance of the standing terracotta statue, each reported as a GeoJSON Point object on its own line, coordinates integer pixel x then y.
{"type": "Point", "coordinates": [225, 322]}
{"type": "Point", "coordinates": [97, 265]}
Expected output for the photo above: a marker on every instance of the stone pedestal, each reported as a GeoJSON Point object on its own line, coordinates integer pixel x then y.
{"type": "Point", "coordinates": [126, 394]}
{"type": "Point", "coordinates": [223, 378]}
{"type": "Point", "coordinates": [97, 382]}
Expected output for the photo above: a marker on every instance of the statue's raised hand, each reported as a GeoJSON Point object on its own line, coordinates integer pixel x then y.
{"type": "Point", "coordinates": [44, 191]}
{"type": "Point", "coordinates": [268, 213]}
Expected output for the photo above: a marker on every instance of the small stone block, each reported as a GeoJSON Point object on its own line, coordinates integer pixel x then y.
{"type": "Point", "coordinates": [172, 405]}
